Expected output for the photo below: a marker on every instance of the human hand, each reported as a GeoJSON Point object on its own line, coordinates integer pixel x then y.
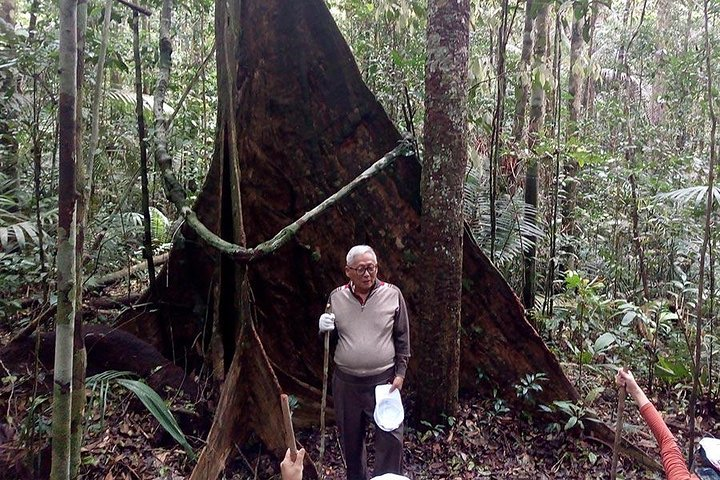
{"type": "Point", "coordinates": [625, 378]}
{"type": "Point", "coordinates": [397, 384]}
{"type": "Point", "coordinates": [290, 470]}
{"type": "Point", "coordinates": [326, 322]}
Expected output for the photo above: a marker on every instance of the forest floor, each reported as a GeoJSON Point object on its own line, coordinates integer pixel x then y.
{"type": "Point", "coordinates": [485, 440]}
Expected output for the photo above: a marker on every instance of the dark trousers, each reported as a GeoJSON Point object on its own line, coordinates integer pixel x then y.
{"type": "Point", "coordinates": [354, 399]}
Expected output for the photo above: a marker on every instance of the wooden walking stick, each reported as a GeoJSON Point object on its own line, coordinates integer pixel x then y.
{"type": "Point", "coordinates": [323, 402]}
{"type": "Point", "coordinates": [289, 432]}
{"type": "Point", "coordinates": [618, 429]}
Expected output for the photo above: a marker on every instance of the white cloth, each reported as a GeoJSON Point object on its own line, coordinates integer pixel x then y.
{"type": "Point", "coordinates": [326, 322]}
{"type": "Point", "coordinates": [711, 446]}
{"type": "Point", "coordinates": [390, 476]}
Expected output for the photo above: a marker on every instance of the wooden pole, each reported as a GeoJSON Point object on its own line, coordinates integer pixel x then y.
{"type": "Point", "coordinates": [323, 402]}
{"type": "Point", "coordinates": [289, 432]}
{"type": "Point", "coordinates": [618, 429]}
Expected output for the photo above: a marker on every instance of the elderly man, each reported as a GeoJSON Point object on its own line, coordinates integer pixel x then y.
{"type": "Point", "coordinates": [371, 321]}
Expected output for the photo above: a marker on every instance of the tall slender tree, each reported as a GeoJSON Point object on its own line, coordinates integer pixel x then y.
{"type": "Point", "coordinates": [144, 180]}
{"type": "Point", "coordinates": [522, 91]}
{"type": "Point", "coordinates": [576, 82]}
{"type": "Point", "coordinates": [79, 353]}
{"type": "Point", "coordinates": [535, 130]}
{"type": "Point", "coordinates": [441, 187]}
{"type": "Point", "coordinates": [498, 121]}
{"type": "Point", "coordinates": [66, 279]}
{"type": "Point", "coordinates": [9, 157]}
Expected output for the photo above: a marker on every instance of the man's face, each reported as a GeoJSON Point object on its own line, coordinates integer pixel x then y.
{"type": "Point", "coordinates": [363, 271]}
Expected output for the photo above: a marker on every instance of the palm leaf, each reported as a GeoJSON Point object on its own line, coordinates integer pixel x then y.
{"type": "Point", "coordinates": [513, 233]}
{"type": "Point", "coordinates": [15, 235]}
{"type": "Point", "coordinates": [152, 401]}
{"type": "Point", "coordinates": [159, 410]}
{"type": "Point", "coordinates": [685, 196]}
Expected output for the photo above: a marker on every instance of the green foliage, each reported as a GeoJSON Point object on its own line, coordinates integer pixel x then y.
{"type": "Point", "coordinates": [438, 430]}
{"type": "Point", "coordinates": [159, 410]}
{"type": "Point", "coordinates": [513, 235]}
{"type": "Point", "coordinates": [100, 386]}
{"type": "Point", "coordinates": [577, 415]}
{"type": "Point", "coordinates": [529, 386]}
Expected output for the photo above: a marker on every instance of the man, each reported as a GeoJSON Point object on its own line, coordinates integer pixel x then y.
{"type": "Point", "coordinates": [371, 321]}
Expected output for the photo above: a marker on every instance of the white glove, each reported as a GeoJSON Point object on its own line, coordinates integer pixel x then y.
{"type": "Point", "coordinates": [326, 322]}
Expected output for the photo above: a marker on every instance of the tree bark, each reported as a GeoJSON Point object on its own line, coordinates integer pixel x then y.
{"type": "Point", "coordinates": [79, 353]}
{"type": "Point", "coordinates": [535, 131]}
{"type": "Point", "coordinates": [66, 278]}
{"type": "Point", "coordinates": [441, 190]}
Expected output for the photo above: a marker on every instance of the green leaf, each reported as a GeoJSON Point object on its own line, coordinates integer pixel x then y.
{"type": "Point", "coordinates": [159, 410]}
{"type": "Point", "coordinates": [593, 394]}
{"type": "Point", "coordinates": [603, 342]}
{"type": "Point", "coordinates": [572, 421]}
{"type": "Point", "coordinates": [628, 318]}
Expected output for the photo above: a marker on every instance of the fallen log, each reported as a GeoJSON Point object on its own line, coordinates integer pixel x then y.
{"type": "Point", "coordinates": [124, 273]}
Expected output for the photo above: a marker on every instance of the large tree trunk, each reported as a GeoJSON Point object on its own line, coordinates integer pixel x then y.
{"type": "Point", "coordinates": [441, 189]}
{"type": "Point", "coordinates": [304, 125]}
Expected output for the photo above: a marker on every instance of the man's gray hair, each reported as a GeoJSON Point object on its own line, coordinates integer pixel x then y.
{"type": "Point", "coordinates": [358, 250]}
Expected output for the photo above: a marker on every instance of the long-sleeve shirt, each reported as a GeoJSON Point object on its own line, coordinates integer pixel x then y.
{"type": "Point", "coordinates": [672, 458]}
{"type": "Point", "coordinates": [373, 335]}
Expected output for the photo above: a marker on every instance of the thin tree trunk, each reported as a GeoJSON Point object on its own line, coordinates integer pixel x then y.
{"type": "Point", "coordinates": [535, 131]}
{"type": "Point", "coordinates": [630, 149]}
{"type": "Point", "coordinates": [706, 238]}
{"type": "Point", "coordinates": [147, 220]}
{"type": "Point", "coordinates": [497, 123]}
{"type": "Point", "coordinates": [571, 167]}
{"type": "Point", "coordinates": [441, 222]}
{"type": "Point", "coordinates": [548, 303]}
{"type": "Point", "coordinates": [9, 158]}
{"type": "Point", "coordinates": [97, 100]}
{"type": "Point", "coordinates": [66, 278]}
{"type": "Point", "coordinates": [588, 102]}
{"type": "Point", "coordinates": [522, 91]}
{"type": "Point", "coordinates": [79, 353]}
{"type": "Point", "coordinates": [36, 151]}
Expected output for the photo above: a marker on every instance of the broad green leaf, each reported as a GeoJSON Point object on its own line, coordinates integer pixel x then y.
{"type": "Point", "coordinates": [159, 410]}
{"type": "Point", "coordinates": [603, 342]}
{"type": "Point", "coordinates": [628, 318]}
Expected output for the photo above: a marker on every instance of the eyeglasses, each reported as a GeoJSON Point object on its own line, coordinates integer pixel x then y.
{"type": "Point", "coordinates": [364, 268]}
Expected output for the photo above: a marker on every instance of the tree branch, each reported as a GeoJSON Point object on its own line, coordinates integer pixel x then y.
{"type": "Point", "coordinates": [136, 8]}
